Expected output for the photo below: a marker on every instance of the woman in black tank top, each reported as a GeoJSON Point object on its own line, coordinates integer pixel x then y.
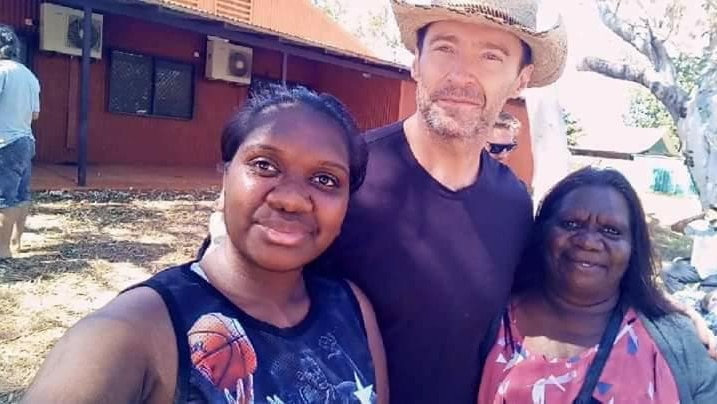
{"type": "Point", "coordinates": [244, 324]}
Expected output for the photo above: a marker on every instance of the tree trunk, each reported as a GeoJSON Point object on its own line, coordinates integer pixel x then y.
{"type": "Point", "coordinates": [698, 133]}
{"type": "Point", "coordinates": [551, 157]}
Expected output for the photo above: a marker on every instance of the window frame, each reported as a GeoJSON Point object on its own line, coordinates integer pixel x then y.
{"type": "Point", "coordinates": [153, 80]}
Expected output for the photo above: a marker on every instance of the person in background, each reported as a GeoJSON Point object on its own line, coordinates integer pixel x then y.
{"type": "Point", "coordinates": [249, 325]}
{"type": "Point", "coordinates": [19, 106]}
{"type": "Point", "coordinates": [587, 322]}
{"type": "Point", "coordinates": [708, 309]}
{"type": "Point", "coordinates": [502, 140]}
{"type": "Point", "coordinates": [217, 227]}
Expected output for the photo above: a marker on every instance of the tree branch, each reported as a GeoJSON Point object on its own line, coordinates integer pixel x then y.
{"type": "Point", "coordinates": [616, 70]}
{"type": "Point", "coordinates": [626, 31]}
{"type": "Point", "coordinates": [674, 98]}
{"type": "Point", "coordinates": [642, 38]}
{"type": "Point", "coordinates": [662, 61]}
{"type": "Point", "coordinates": [710, 8]}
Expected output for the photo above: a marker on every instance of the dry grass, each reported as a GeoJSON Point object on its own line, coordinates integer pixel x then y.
{"type": "Point", "coordinates": [80, 250]}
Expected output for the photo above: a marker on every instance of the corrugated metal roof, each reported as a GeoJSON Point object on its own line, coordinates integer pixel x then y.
{"type": "Point", "coordinates": [343, 43]}
{"type": "Point", "coordinates": [302, 19]}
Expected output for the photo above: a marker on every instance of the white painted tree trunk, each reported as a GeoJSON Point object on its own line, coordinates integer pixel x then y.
{"type": "Point", "coordinates": [698, 132]}
{"type": "Point", "coordinates": [551, 157]}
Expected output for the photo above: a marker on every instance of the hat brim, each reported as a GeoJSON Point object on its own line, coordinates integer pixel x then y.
{"type": "Point", "coordinates": [549, 47]}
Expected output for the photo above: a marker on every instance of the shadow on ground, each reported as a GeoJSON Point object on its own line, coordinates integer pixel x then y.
{"type": "Point", "coordinates": [75, 254]}
{"type": "Point", "coordinates": [83, 247]}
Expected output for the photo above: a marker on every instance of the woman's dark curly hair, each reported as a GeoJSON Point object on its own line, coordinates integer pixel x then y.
{"type": "Point", "coordinates": [273, 96]}
{"type": "Point", "coordinates": [638, 287]}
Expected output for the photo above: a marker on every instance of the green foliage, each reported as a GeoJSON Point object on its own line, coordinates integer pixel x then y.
{"type": "Point", "coordinates": [646, 111]}
{"type": "Point", "coordinates": [334, 8]}
{"type": "Point", "coordinates": [376, 29]}
{"type": "Point", "coordinates": [689, 69]}
{"type": "Point", "coordinates": [574, 129]}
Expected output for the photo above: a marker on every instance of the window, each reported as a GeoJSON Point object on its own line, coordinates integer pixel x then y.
{"type": "Point", "coordinates": [144, 85]}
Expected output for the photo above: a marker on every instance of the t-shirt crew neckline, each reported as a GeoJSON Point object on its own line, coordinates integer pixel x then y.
{"type": "Point", "coordinates": [437, 185]}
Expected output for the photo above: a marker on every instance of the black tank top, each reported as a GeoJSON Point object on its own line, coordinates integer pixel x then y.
{"type": "Point", "coordinates": [227, 356]}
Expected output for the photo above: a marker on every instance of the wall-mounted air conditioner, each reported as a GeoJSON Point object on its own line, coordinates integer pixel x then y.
{"type": "Point", "coordinates": [228, 62]}
{"type": "Point", "coordinates": [61, 30]}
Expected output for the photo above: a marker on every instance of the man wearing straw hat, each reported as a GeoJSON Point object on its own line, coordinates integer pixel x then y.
{"type": "Point", "coordinates": [436, 231]}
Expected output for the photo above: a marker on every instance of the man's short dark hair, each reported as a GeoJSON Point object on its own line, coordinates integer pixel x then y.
{"type": "Point", "coordinates": [507, 121]}
{"type": "Point", "coordinates": [526, 59]}
{"type": "Point", "coordinates": [9, 44]}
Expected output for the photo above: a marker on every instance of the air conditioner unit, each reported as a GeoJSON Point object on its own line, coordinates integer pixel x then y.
{"type": "Point", "coordinates": [61, 30]}
{"type": "Point", "coordinates": [228, 62]}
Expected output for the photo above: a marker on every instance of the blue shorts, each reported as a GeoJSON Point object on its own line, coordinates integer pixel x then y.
{"type": "Point", "coordinates": [15, 172]}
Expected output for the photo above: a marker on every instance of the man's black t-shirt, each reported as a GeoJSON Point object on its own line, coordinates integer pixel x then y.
{"type": "Point", "coordinates": [436, 264]}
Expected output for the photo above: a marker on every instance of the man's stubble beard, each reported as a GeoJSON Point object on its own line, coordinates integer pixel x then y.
{"type": "Point", "coordinates": [452, 127]}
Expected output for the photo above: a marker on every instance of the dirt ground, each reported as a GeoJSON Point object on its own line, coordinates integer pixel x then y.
{"type": "Point", "coordinates": [82, 248]}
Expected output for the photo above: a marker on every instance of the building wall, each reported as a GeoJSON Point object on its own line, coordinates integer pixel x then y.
{"type": "Point", "coordinates": [16, 12]}
{"type": "Point", "coordinates": [115, 138]}
{"type": "Point", "coordinates": [268, 64]}
{"type": "Point", "coordinates": [51, 129]}
{"type": "Point", "coordinates": [408, 99]}
{"type": "Point", "coordinates": [374, 101]}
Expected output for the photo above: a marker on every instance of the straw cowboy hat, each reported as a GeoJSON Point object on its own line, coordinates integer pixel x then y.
{"type": "Point", "coordinates": [518, 17]}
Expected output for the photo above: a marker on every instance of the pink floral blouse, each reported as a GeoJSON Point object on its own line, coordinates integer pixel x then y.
{"type": "Point", "coordinates": [635, 372]}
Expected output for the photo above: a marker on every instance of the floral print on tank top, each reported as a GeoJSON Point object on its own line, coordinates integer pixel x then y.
{"type": "Point", "coordinates": [635, 372]}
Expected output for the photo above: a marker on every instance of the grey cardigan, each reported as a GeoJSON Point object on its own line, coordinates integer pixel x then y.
{"type": "Point", "coordinates": [694, 371]}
